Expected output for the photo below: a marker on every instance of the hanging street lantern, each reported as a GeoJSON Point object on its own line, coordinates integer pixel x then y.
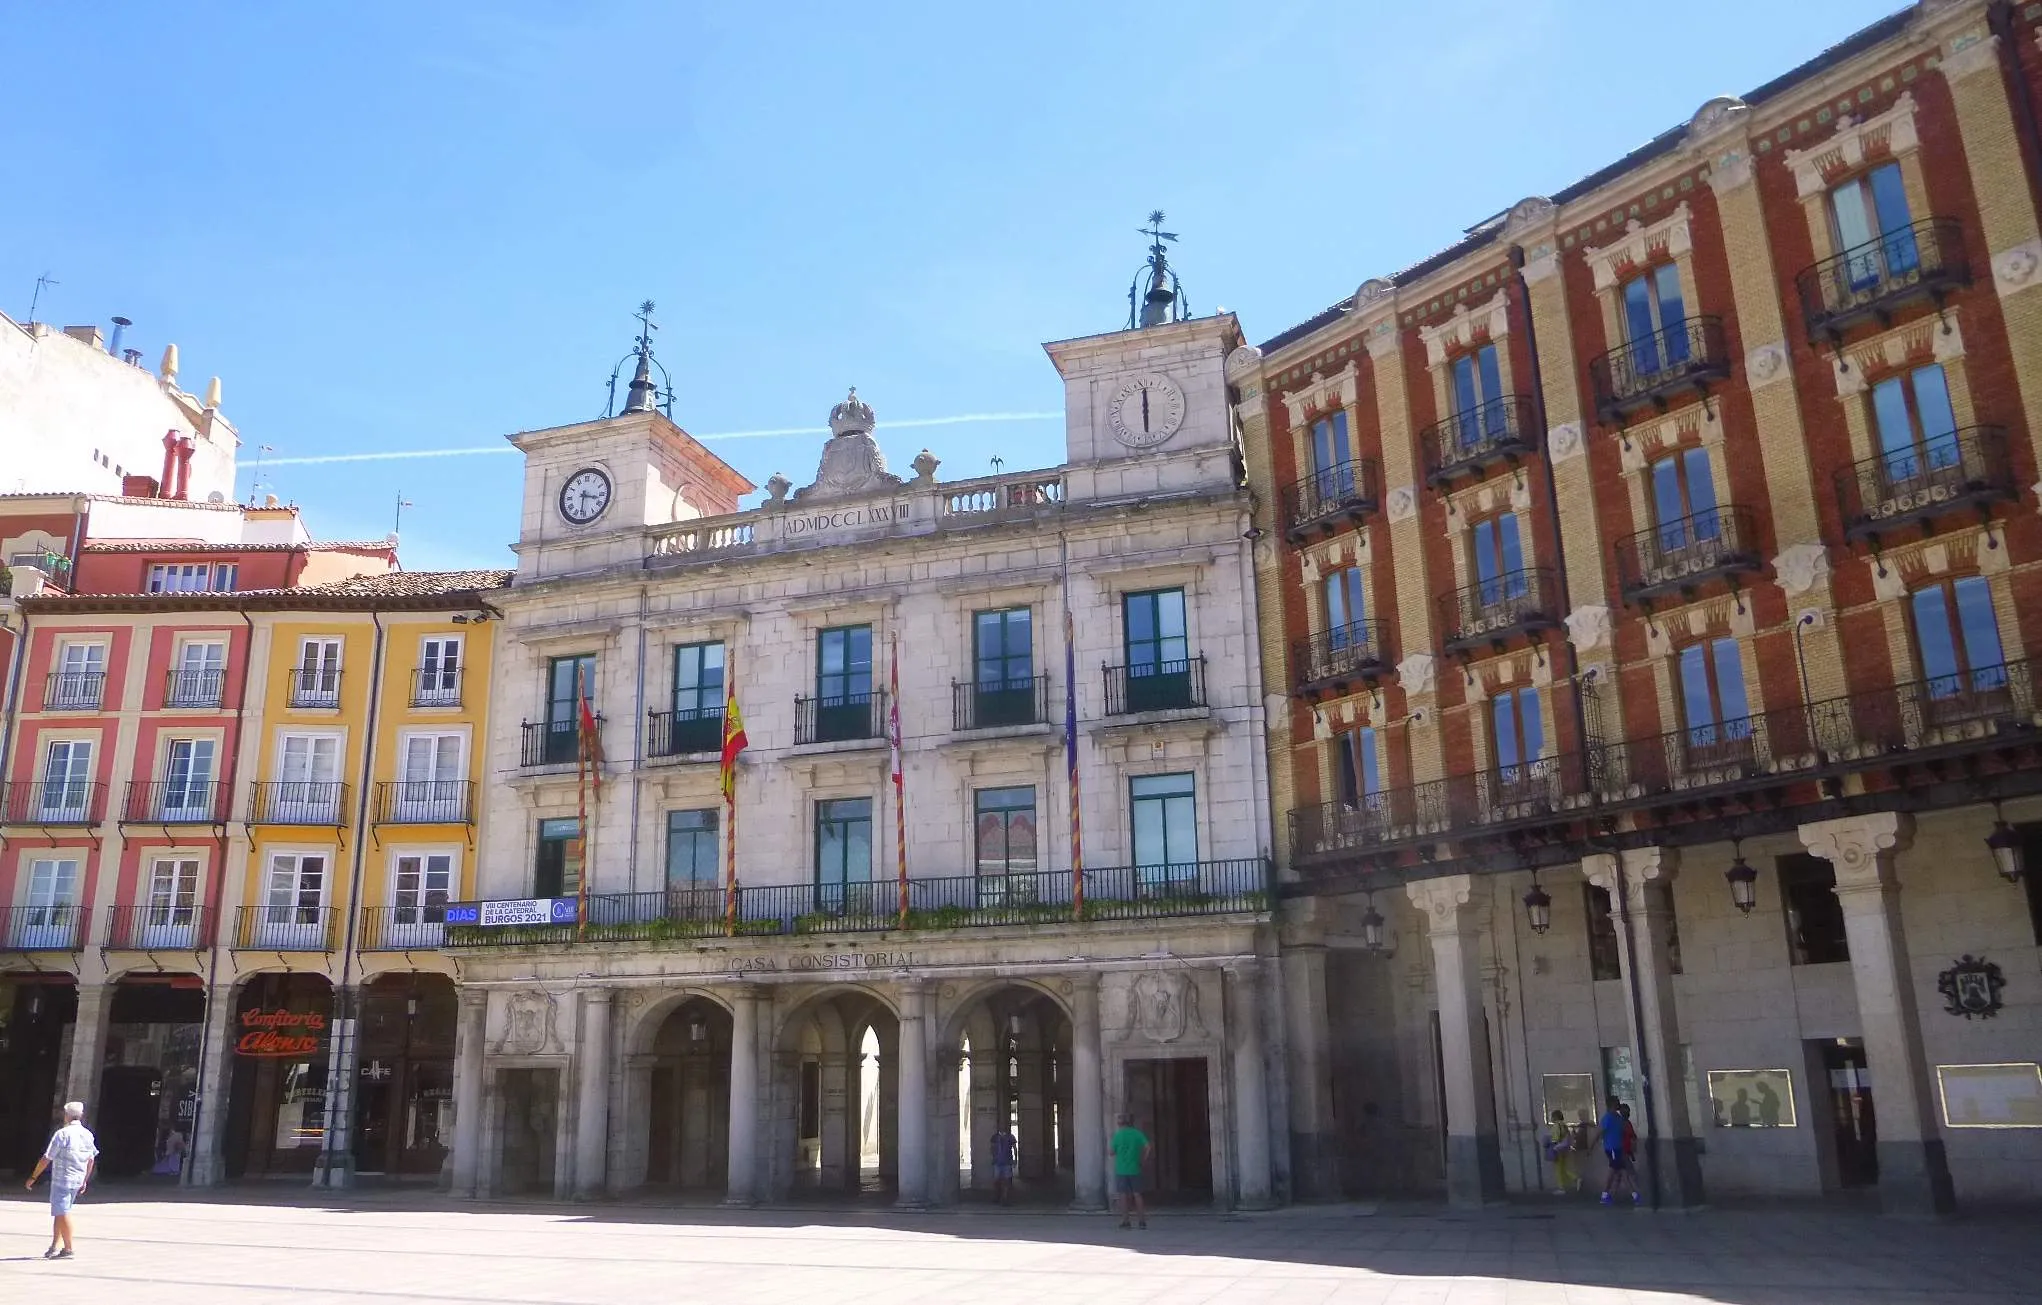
{"type": "Point", "coordinates": [2008, 856]}
{"type": "Point", "coordinates": [1538, 906]}
{"type": "Point", "coordinates": [1743, 880]}
{"type": "Point", "coordinates": [1372, 926]}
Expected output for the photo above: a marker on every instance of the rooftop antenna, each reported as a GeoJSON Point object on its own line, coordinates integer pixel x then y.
{"type": "Point", "coordinates": [1156, 297]}
{"type": "Point", "coordinates": [398, 522]}
{"type": "Point", "coordinates": [41, 282]}
{"type": "Point", "coordinates": [642, 395]}
{"type": "Point", "coordinates": [255, 477]}
{"type": "Point", "coordinates": [998, 462]}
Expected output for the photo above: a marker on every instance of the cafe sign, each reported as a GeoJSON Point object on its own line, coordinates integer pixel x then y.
{"type": "Point", "coordinates": [281, 1034]}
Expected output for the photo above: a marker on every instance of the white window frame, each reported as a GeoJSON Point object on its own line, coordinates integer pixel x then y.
{"type": "Point", "coordinates": [210, 798]}
{"type": "Point", "coordinates": [76, 693]}
{"type": "Point", "coordinates": [282, 924]}
{"type": "Point", "coordinates": [315, 680]}
{"type": "Point", "coordinates": [69, 785]}
{"type": "Point", "coordinates": [308, 805]}
{"type": "Point", "coordinates": [186, 664]}
{"type": "Point", "coordinates": [49, 918]}
{"type": "Point", "coordinates": [191, 577]}
{"type": "Point", "coordinates": [439, 677]}
{"type": "Point", "coordinates": [415, 919]}
{"type": "Point", "coordinates": [169, 919]}
{"type": "Point", "coordinates": [437, 797]}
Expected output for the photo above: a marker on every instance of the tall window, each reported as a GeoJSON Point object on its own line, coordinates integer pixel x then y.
{"type": "Point", "coordinates": [1653, 317]}
{"type": "Point", "coordinates": [191, 577]}
{"type": "Point", "coordinates": [188, 780]}
{"type": "Point", "coordinates": [1332, 457]}
{"type": "Point", "coordinates": [698, 697]}
{"type": "Point", "coordinates": [1916, 424]}
{"type": "Point", "coordinates": [1360, 774]}
{"type": "Point", "coordinates": [1873, 228]}
{"type": "Point", "coordinates": [1478, 384]}
{"type": "Point", "coordinates": [556, 861]}
{"type": "Point", "coordinates": [432, 778]}
{"type": "Point", "coordinates": [171, 907]}
{"type": "Point", "coordinates": [294, 899]}
{"type": "Point", "coordinates": [1516, 734]}
{"type": "Point", "coordinates": [196, 681]}
{"type": "Point", "coordinates": [1158, 650]}
{"type": "Point", "coordinates": [843, 684]}
{"type": "Point", "coordinates": [1165, 827]}
{"type": "Point", "coordinates": [1684, 499]}
{"type": "Point", "coordinates": [843, 847]}
{"type": "Point", "coordinates": [1003, 667]}
{"type": "Point", "coordinates": [51, 917]}
{"type": "Point", "coordinates": [1499, 558]}
{"type": "Point", "coordinates": [1003, 831]}
{"type": "Point", "coordinates": [1956, 637]}
{"type": "Point", "coordinates": [420, 887]}
{"type": "Point", "coordinates": [691, 849]}
{"type": "Point", "coordinates": [1815, 925]}
{"type": "Point", "coordinates": [308, 779]}
{"type": "Point", "coordinates": [67, 779]}
{"type": "Point", "coordinates": [568, 680]}
{"type": "Point", "coordinates": [439, 671]}
{"type": "Point", "coordinates": [1346, 608]}
{"type": "Point", "coordinates": [1713, 705]}
{"type": "Point", "coordinates": [1604, 961]}
{"type": "Point", "coordinates": [81, 677]}
{"type": "Point", "coordinates": [317, 683]}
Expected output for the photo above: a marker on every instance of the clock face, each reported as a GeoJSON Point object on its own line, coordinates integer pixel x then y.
{"type": "Point", "coordinates": [1146, 411]}
{"type": "Point", "coordinates": [584, 496]}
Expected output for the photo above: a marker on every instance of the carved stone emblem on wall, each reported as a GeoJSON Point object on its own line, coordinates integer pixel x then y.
{"type": "Point", "coordinates": [2014, 269]}
{"type": "Point", "coordinates": [1415, 673]}
{"type": "Point", "coordinates": [529, 1024]}
{"type": "Point", "coordinates": [851, 461]}
{"type": "Point", "coordinates": [1766, 363]}
{"type": "Point", "coordinates": [1163, 1007]}
{"type": "Point", "coordinates": [1588, 627]}
{"type": "Point", "coordinates": [1971, 988]}
{"type": "Point", "coordinates": [1243, 361]}
{"type": "Point", "coordinates": [1564, 440]}
{"type": "Point", "coordinates": [1402, 503]}
{"type": "Point", "coordinates": [1801, 567]}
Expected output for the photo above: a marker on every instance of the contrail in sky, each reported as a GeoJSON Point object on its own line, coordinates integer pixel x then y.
{"type": "Point", "coordinates": [395, 455]}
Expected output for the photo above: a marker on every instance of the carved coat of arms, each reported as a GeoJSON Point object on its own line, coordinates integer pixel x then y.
{"type": "Point", "coordinates": [528, 1024]}
{"type": "Point", "coordinates": [1163, 1007]}
{"type": "Point", "coordinates": [1971, 987]}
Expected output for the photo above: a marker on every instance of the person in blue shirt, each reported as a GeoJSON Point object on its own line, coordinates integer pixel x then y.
{"type": "Point", "coordinates": [1613, 1127]}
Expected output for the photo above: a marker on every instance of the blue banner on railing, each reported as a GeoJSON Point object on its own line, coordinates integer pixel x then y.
{"type": "Point", "coordinates": [521, 911]}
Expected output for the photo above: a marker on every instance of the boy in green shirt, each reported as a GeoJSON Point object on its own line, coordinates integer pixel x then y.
{"type": "Point", "coordinates": [1128, 1148]}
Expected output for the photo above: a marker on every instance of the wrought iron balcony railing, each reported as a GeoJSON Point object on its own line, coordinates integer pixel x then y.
{"type": "Point", "coordinates": [1155, 686]}
{"type": "Point", "coordinates": [159, 926]}
{"type": "Point", "coordinates": [194, 688]}
{"type": "Point", "coordinates": [315, 686]}
{"type": "Point", "coordinates": [417, 926]}
{"type": "Point", "coordinates": [1680, 554]}
{"type": "Point", "coordinates": [1333, 659]}
{"type": "Point", "coordinates": [1653, 368]}
{"type": "Point", "coordinates": [56, 928]}
{"type": "Point", "coordinates": [425, 802]}
{"type": "Point", "coordinates": [1965, 469]}
{"type": "Point", "coordinates": [174, 802]}
{"type": "Point", "coordinates": [999, 704]}
{"type": "Point", "coordinates": [1924, 261]}
{"type": "Point", "coordinates": [285, 927]}
{"type": "Point", "coordinates": [74, 691]}
{"type": "Point", "coordinates": [1467, 443]}
{"type": "Point", "coordinates": [841, 719]}
{"type": "Point", "coordinates": [552, 742]}
{"type": "Point", "coordinates": [1498, 609]}
{"type": "Point", "coordinates": [53, 802]}
{"type": "Point", "coordinates": [1346, 491]}
{"type": "Point", "coordinates": [436, 686]}
{"type": "Point", "coordinates": [298, 802]}
{"type": "Point", "coordinates": [684, 733]}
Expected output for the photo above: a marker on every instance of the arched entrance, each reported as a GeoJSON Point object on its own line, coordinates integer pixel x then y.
{"type": "Point", "coordinates": [688, 1132]}
{"type": "Point", "coordinates": [1011, 1046]}
{"type": "Point", "coordinates": [404, 1092]}
{"type": "Point", "coordinates": [36, 1015]}
{"type": "Point", "coordinates": [147, 1096]}
{"type": "Point", "coordinates": [835, 1082]}
{"type": "Point", "coordinates": [276, 1097]}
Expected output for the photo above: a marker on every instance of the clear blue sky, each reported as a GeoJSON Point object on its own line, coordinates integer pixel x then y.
{"type": "Point", "coordinates": [421, 226]}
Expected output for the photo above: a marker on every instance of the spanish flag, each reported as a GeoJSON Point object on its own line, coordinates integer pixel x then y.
{"type": "Point", "coordinates": [734, 742]}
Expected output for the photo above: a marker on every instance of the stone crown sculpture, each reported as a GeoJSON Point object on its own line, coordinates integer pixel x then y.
{"type": "Point", "coordinates": [851, 460]}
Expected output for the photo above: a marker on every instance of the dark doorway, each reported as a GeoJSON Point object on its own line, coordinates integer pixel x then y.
{"type": "Point", "coordinates": [404, 1091]}
{"type": "Point", "coordinates": [688, 1139]}
{"type": "Point", "coordinates": [1169, 1101]}
{"type": "Point", "coordinates": [35, 1030]}
{"type": "Point", "coordinates": [127, 1117]}
{"type": "Point", "coordinates": [148, 1085]}
{"type": "Point", "coordinates": [530, 1102]}
{"type": "Point", "coordinates": [1854, 1128]}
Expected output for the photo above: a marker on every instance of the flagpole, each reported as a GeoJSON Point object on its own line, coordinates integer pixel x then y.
{"type": "Point", "coordinates": [900, 809]}
{"type": "Point", "coordinates": [1071, 736]}
{"type": "Point", "coordinates": [734, 742]}
{"type": "Point", "coordinates": [581, 770]}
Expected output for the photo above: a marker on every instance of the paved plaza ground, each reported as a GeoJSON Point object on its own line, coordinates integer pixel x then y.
{"type": "Point", "coordinates": [282, 1246]}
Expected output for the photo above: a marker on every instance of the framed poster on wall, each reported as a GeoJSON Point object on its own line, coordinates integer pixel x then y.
{"type": "Point", "coordinates": [1752, 1098]}
{"type": "Point", "coordinates": [1991, 1096]}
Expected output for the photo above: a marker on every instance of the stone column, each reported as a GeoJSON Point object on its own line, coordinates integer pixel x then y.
{"type": "Point", "coordinates": [205, 1168]}
{"type": "Point", "coordinates": [336, 1166]}
{"type": "Point", "coordinates": [1251, 1094]}
{"type": "Point", "coordinates": [1914, 1174]}
{"type": "Point", "coordinates": [592, 1109]}
{"type": "Point", "coordinates": [911, 1096]}
{"type": "Point", "coordinates": [1088, 1104]}
{"type": "Point", "coordinates": [1474, 1166]}
{"type": "Point", "coordinates": [744, 1097]}
{"type": "Point", "coordinates": [88, 1046]}
{"type": "Point", "coordinates": [470, 1037]}
{"type": "Point", "coordinates": [1314, 1145]}
{"type": "Point", "coordinates": [1642, 908]}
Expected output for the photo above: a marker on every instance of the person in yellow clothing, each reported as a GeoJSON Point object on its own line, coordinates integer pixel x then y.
{"type": "Point", "coordinates": [1560, 1150]}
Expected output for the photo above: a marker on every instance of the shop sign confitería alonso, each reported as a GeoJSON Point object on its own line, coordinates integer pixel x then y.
{"type": "Point", "coordinates": [281, 1033]}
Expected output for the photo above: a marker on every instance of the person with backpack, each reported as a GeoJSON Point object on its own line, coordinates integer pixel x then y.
{"type": "Point", "coordinates": [1560, 1150]}
{"type": "Point", "coordinates": [1614, 1126]}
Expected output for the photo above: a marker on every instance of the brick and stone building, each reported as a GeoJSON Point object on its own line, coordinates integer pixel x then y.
{"type": "Point", "coordinates": [1680, 523]}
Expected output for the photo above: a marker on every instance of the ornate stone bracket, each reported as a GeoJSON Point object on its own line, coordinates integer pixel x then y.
{"type": "Point", "coordinates": [1444, 902]}
{"type": "Point", "coordinates": [1801, 567]}
{"type": "Point", "coordinates": [1588, 627]}
{"type": "Point", "coordinates": [1415, 674]}
{"type": "Point", "coordinates": [1860, 848]}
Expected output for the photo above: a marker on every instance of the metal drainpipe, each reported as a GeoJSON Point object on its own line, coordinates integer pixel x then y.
{"type": "Point", "coordinates": [1552, 484]}
{"type": "Point", "coordinates": [14, 678]}
{"type": "Point", "coordinates": [218, 891]}
{"type": "Point", "coordinates": [340, 1124]}
{"type": "Point", "coordinates": [1999, 19]}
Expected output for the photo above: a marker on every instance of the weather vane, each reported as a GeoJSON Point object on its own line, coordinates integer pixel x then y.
{"type": "Point", "coordinates": [1157, 296]}
{"type": "Point", "coordinates": [642, 395]}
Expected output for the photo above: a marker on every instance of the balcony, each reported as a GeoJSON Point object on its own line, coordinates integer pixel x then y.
{"type": "Point", "coordinates": [1873, 280]}
{"type": "Point", "coordinates": [297, 802]}
{"type": "Point", "coordinates": [284, 928]}
{"type": "Point", "coordinates": [1496, 610]}
{"type": "Point", "coordinates": [1346, 491]}
{"type": "Point", "coordinates": [436, 686]}
{"type": "Point", "coordinates": [1966, 469]}
{"type": "Point", "coordinates": [404, 928]}
{"type": "Point", "coordinates": [1681, 554]}
{"type": "Point", "coordinates": [1489, 802]}
{"type": "Point", "coordinates": [194, 689]}
{"type": "Point", "coordinates": [173, 802]}
{"type": "Point", "coordinates": [316, 687]}
{"type": "Point", "coordinates": [1111, 893]}
{"type": "Point", "coordinates": [842, 719]}
{"type": "Point", "coordinates": [1469, 443]}
{"type": "Point", "coordinates": [74, 691]}
{"type": "Point", "coordinates": [425, 802]}
{"type": "Point", "coordinates": [52, 802]}
{"type": "Point", "coordinates": [684, 733]}
{"type": "Point", "coordinates": [1655, 368]}
{"type": "Point", "coordinates": [999, 704]}
{"type": "Point", "coordinates": [548, 744]}
{"type": "Point", "coordinates": [159, 927]}
{"type": "Point", "coordinates": [1333, 661]}
{"type": "Point", "coordinates": [42, 928]}
{"type": "Point", "coordinates": [1155, 686]}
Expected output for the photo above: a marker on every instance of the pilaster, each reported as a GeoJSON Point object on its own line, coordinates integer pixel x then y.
{"type": "Point", "coordinates": [592, 1109]}
{"type": "Point", "coordinates": [1251, 1088]}
{"type": "Point", "coordinates": [744, 1098]}
{"type": "Point", "coordinates": [911, 1095]}
{"type": "Point", "coordinates": [1314, 1141]}
{"type": "Point", "coordinates": [207, 1167]}
{"type": "Point", "coordinates": [470, 1038]}
{"type": "Point", "coordinates": [1088, 1098]}
{"type": "Point", "coordinates": [1474, 1165]}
